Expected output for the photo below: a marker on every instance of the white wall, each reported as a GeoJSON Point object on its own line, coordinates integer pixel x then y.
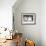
{"type": "Point", "coordinates": [6, 13]}
{"type": "Point", "coordinates": [39, 7]}
{"type": "Point", "coordinates": [43, 22]}
{"type": "Point", "coordinates": [30, 31]}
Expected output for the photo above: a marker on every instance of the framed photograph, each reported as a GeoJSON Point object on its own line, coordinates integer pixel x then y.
{"type": "Point", "coordinates": [28, 18]}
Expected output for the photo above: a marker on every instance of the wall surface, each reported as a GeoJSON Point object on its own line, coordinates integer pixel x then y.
{"type": "Point", "coordinates": [6, 13]}
{"type": "Point", "coordinates": [29, 31]}
{"type": "Point", "coordinates": [43, 22]}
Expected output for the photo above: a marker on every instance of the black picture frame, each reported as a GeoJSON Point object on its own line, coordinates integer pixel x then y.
{"type": "Point", "coordinates": [28, 18]}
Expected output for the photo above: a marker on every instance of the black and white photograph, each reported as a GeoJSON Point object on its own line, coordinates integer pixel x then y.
{"type": "Point", "coordinates": [28, 18]}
